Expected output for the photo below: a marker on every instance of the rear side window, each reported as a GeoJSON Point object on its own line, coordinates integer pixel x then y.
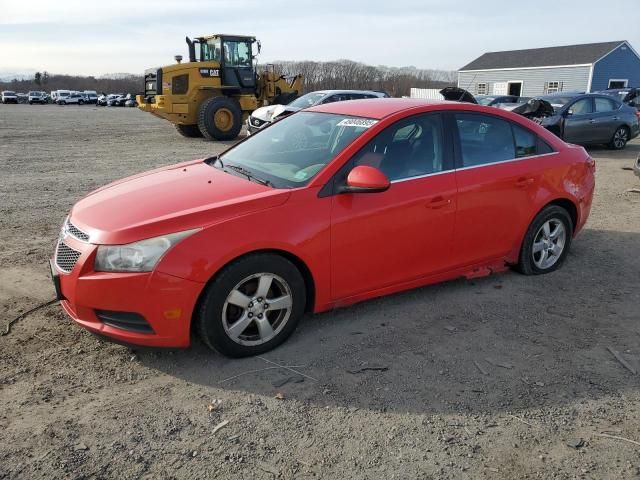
{"type": "Point", "coordinates": [484, 139]}
{"type": "Point", "coordinates": [605, 105]}
{"type": "Point", "coordinates": [526, 142]}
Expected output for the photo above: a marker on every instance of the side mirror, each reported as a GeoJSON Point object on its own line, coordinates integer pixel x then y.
{"type": "Point", "coordinates": [365, 179]}
{"type": "Point", "coordinates": [568, 113]}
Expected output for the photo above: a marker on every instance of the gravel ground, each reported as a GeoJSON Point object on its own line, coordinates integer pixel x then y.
{"type": "Point", "coordinates": [502, 377]}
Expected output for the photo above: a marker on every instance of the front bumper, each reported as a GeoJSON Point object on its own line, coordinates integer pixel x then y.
{"type": "Point", "coordinates": [159, 106]}
{"type": "Point", "coordinates": [164, 301]}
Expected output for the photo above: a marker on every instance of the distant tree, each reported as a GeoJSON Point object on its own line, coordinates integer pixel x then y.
{"type": "Point", "coordinates": [38, 78]}
{"type": "Point", "coordinates": [45, 77]}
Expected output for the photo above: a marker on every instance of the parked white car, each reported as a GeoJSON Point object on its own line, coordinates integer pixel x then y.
{"type": "Point", "coordinates": [37, 97]}
{"type": "Point", "coordinates": [74, 98]}
{"type": "Point", "coordinates": [9, 96]}
{"type": "Point", "coordinates": [263, 116]}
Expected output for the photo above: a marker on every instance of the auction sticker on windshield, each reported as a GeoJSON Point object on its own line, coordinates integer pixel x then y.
{"type": "Point", "coordinates": [357, 122]}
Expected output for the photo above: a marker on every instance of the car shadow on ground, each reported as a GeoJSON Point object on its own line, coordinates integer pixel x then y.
{"type": "Point", "coordinates": [503, 342]}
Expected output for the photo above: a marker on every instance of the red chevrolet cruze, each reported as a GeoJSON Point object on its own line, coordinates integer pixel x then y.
{"type": "Point", "coordinates": [325, 208]}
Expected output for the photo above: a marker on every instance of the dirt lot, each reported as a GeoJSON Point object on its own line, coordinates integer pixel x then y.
{"type": "Point", "coordinates": [73, 406]}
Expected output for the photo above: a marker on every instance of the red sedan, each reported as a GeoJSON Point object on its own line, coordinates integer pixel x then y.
{"type": "Point", "coordinates": [328, 207]}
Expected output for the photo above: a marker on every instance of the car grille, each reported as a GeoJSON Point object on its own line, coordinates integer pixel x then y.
{"type": "Point", "coordinates": [76, 232]}
{"type": "Point", "coordinates": [66, 257]}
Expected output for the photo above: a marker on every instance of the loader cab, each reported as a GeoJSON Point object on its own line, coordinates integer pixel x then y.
{"type": "Point", "coordinates": [234, 54]}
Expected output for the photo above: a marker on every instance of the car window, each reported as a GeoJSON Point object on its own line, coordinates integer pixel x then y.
{"type": "Point", "coordinates": [581, 107]}
{"type": "Point", "coordinates": [410, 148]}
{"type": "Point", "coordinates": [484, 139]}
{"type": "Point", "coordinates": [526, 142]}
{"type": "Point", "coordinates": [605, 105]}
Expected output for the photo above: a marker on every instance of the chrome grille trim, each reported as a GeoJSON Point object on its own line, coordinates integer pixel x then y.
{"type": "Point", "coordinates": [66, 257]}
{"type": "Point", "coordinates": [75, 232]}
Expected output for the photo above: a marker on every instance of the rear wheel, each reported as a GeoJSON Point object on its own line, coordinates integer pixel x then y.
{"type": "Point", "coordinates": [220, 118]}
{"type": "Point", "coordinates": [620, 138]}
{"type": "Point", "coordinates": [547, 241]}
{"type": "Point", "coordinates": [190, 131]}
{"type": "Point", "coordinates": [252, 306]}
{"type": "Point", "coordinates": [80, 102]}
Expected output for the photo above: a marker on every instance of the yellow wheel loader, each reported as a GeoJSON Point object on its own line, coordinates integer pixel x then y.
{"type": "Point", "coordinates": [213, 94]}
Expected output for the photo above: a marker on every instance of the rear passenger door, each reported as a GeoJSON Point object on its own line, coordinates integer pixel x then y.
{"type": "Point", "coordinates": [605, 118]}
{"type": "Point", "coordinates": [497, 176]}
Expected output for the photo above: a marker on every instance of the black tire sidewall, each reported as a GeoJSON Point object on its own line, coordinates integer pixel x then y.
{"type": "Point", "coordinates": [526, 264]}
{"type": "Point", "coordinates": [189, 131]}
{"type": "Point", "coordinates": [209, 320]}
{"type": "Point", "coordinates": [207, 125]}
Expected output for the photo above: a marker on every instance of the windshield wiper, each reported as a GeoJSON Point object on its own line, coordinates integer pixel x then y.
{"type": "Point", "coordinates": [251, 176]}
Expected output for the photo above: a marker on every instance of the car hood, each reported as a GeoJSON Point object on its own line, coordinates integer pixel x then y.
{"type": "Point", "coordinates": [457, 95]}
{"type": "Point", "coordinates": [268, 113]}
{"type": "Point", "coordinates": [170, 199]}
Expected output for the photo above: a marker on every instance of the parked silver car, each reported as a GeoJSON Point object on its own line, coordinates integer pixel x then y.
{"type": "Point", "coordinates": [263, 116]}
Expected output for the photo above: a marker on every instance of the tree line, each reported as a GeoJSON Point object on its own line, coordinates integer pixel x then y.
{"type": "Point", "coordinates": [122, 83]}
{"type": "Point", "coordinates": [341, 74]}
{"type": "Point", "coordinates": [346, 74]}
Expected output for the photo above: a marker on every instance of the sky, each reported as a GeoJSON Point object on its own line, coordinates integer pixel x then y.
{"type": "Point", "coordinates": [93, 38]}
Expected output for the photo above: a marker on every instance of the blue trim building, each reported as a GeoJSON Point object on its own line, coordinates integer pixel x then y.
{"type": "Point", "coordinates": [539, 71]}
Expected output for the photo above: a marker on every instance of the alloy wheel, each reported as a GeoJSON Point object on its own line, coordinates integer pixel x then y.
{"type": "Point", "coordinates": [620, 138]}
{"type": "Point", "coordinates": [257, 309]}
{"type": "Point", "coordinates": [549, 243]}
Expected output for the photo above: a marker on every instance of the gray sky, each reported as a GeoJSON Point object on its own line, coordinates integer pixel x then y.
{"type": "Point", "coordinates": [74, 36]}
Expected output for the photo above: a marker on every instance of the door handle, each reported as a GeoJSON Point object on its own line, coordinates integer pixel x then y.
{"type": "Point", "coordinates": [592, 121]}
{"type": "Point", "coordinates": [616, 118]}
{"type": "Point", "coordinates": [439, 202]}
{"type": "Point", "coordinates": [524, 182]}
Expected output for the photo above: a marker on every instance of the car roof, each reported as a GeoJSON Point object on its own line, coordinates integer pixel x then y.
{"type": "Point", "coordinates": [333, 92]}
{"type": "Point", "coordinates": [378, 108]}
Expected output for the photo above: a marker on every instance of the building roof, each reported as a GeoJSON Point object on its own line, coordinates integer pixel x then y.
{"type": "Point", "coordinates": [544, 57]}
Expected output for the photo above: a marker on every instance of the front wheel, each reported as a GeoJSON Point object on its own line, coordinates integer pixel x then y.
{"type": "Point", "coordinates": [80, 102]}
{"type": "Point", "coordinates": [547, 241]}
{"type": "Point", "coordinates": [220, 118]}
{"type": "Point", "coordinates": [620, 138]}
{"type": "Point", "coordinates": [252, 306]}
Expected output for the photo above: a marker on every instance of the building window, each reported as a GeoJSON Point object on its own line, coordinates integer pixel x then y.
{"type": "Point", "coordinates": [618, 83]}
{"type": "Point", "coordinates": [552, 87]}
{"type": "Point", "coordinates": [481, 89]}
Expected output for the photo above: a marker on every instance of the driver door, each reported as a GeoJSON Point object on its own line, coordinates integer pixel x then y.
{"type": "Point", "coordinates": [578, 123]}
{"type": "Point", "coordinates": [406, 232]}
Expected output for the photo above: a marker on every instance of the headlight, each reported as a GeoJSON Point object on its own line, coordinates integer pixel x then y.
{"type": "Point", "coordinates": [140, 256]}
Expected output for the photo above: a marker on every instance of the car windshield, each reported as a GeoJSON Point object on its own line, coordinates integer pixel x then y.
{"type": "Point", "coordinates": [485, 100]}
{"type": "Point", "coordinates": [308, 100]}
{"type": "Point", "coordinates": [292, 151]}
{"type": "Point", "coordinates": [9, 92]}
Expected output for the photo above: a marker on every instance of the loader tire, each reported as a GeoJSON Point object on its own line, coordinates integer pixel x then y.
{"type": "Point", "coordinates": [189, 131]}
{"type": "Point", "coordinates": [220, 118]}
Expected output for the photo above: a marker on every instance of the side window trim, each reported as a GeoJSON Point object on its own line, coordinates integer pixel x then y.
{"type": "Point", "coordinates": [454, 139]}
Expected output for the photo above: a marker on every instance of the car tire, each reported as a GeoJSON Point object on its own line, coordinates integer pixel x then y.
{"type": "Point", "coordinates": [62, 102]}
{"type": "Point", "coordinates": [80, 102]}
{"type": "Point", "coordinates": [620, 138]}
{"type": "Point", "coordinates": [189, 131]}
{"type": "Point", "coordinates": [233, 317]}
{"type": "Point", "coordinates": [547, 241]}
{"type": "Point", "coordinates": [220, 118]}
